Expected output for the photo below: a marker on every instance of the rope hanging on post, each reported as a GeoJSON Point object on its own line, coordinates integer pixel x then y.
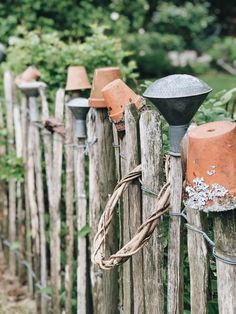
{"type": "Point", "coordinates": [143, 233]}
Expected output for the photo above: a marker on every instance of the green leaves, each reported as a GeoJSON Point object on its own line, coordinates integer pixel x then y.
{"type": "Point", "coordinates": [52, 56]}
{"type": "Point", "coordinates": [84, 231]}
{"type": "Point", "coordinates": [11, 166]}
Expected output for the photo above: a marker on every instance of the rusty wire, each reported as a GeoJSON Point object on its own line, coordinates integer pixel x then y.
{"type": "Point", "coordinates": [143, 233]}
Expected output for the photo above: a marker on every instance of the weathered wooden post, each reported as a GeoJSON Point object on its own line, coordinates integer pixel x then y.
{"type": "Point", "coordinates": [78, 108]}
{"type": "Point", "coordinates": [19, 197]}
{"type": "Point", "coordinates": [211, 182]}
{"type": "Point", "coordinates": [151, 158]}
{"type": "Point", "coordinates": [102, 180]}
{"type": "Point", "coordinates": [28, 244]}
{"type": "Point", "coordinates": [3, 187]}
{"type": "Point", "coordinates": [121, 99]}
{"type": "Point", "coordinates": [177, 97]}
{"type": "Point", "coordinates": [36, 197]}
{"type": "Point", "coordinates": [55, 199]}
{"type": "Point", "coordinates": [9, 100]}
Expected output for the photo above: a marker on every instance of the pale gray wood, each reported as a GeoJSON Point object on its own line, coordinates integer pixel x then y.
{"type": "Point", "coordinates": [25, 127]}
{"type": "Point", "coordinates": [69, 196]}
{"type": "Point", "coordinates": [47, 142]}
{"type": "Point", "coordinates": [41, 213]}
{"type": "Point", "coordinates": [225, 239]}
{"type": "Point", "coordinates": [134, 214]}
{"type": "Point", "coordinates": [151, 157]}
{"type": "Point", "coordinates": [198, 263]}
{"type": "Point", "coordinates": [81, 204]}
{"type": "Point", "coordinates": [127, 283]}
{"type": "Point", "coordinates": [175, 242]}
{"type": "Point", "coordinates": [32, 199]}
{"type": "Point", "coordinates": [19, 186]}
{"type": "Point", "coordinates": [9, 101]}
{"type": "Point", "coordinates": [116, 146]}
{"type": "Point", "coordinates": [55, 217]}
{"type": "Point", "coordinates": [102, 180]}
{"type": "Point", "coordinates": [3, 187]}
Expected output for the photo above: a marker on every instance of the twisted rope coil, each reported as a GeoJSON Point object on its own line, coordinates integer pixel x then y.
{"type": "Point", "coordinates": [143, 233]}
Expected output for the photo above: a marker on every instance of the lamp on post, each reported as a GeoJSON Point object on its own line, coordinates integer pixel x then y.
{"type": "Point", "coordinates": [30, 87]}
{"type": "Point", "coordinates": [178, 98]}
{"type": "Point", "coordinates": [79, 108]}
{"type": "Point", "coordinates": [77, 80]}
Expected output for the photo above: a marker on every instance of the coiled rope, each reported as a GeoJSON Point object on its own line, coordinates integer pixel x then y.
{"type": "Point", "coordinates": [143, 233]}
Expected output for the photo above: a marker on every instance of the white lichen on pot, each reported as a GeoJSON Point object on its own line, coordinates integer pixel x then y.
{"type": "Point", "coordinates": [208, 198]}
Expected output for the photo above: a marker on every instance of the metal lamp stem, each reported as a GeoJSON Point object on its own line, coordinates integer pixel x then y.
{"type": "Point", "coordinates": [176, 133]}
{"type": "Point", "coordinates": [33, 109]}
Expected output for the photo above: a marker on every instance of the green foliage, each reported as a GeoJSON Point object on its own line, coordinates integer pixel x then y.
{"type": "Point", "coordinates": [71, 18]}
{"type": "Point", "coordinates": [52, 56]}
{"type": "Point", "coordinates": [220, 106]}
{"type": "Point", "coordinates": [11, 166]}
{"type": "Point", "coordinates": [224, 49]}
{"type": "Point", "coordinates": [189, 21]}
{"type": "Point", "coordinates": [84, 231]}
{"type": "Point", "coordinates": [150, 51]}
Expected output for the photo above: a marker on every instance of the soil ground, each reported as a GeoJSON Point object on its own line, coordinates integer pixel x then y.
{"type": "Point", "coordinates": [14, 298]}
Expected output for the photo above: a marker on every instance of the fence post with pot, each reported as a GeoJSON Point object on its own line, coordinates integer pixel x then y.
{"type": "Point", "coordinates": [102, 179]}
{"type": "Point", "coordinates": [211, 182]}
{"type": "Point", "coordinates": [122, 105]}
{"type": "Point", "coordinates": [30, 88]}
{"type": "Point", "coordinates": [177, 97]}
{"type": "Point", "coordinates": [76, 112]}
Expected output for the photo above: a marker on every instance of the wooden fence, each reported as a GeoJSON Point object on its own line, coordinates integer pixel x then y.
{"type": "Point", "coordinates": [54, 213]}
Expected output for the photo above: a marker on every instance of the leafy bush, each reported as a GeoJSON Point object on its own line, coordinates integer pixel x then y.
{"type": "Point", "coordinates": [150, 51]}
{"type": "Point", "coordinates": [224, 48]}
{"type": "Point", "coordinates": [71, 18]}
{"type": "Point", "coordinates": [189, 21]}
{"type": "Point", "coordinates": [52, 56]}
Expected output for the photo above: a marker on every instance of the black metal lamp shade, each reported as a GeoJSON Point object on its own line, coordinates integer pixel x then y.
{"type": "Point", "coordinates": [79, 108]}
{"type": "Point", "coordinates": [178, 98]}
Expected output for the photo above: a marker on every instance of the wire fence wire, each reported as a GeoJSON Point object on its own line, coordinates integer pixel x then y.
{"type": "Point", "coordinates": [25, 263]}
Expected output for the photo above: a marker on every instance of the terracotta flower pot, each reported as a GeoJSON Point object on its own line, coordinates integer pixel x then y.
{"type": "Point", "coordinates": [117, 95]}
{"type": "Point", "coordinates": [29, 75]}
{"type": "Point", "coordinates": [77, 78]}
{"type": "Point", "coordinates": [101, 78]}
{"type": "Point", "coordinates": [211, 166]}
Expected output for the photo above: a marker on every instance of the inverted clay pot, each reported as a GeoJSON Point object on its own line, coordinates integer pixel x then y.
{"type": "Point", "coordinates": [117, 95]}
{"type": "Point", "coordinates": [29, 75]}
{"type": "Point", "coordinates": [77, 78]}
{"type": "Point", "coordinates": [101, 78]}
{"type": "Point", "coordinates": [211, 167]}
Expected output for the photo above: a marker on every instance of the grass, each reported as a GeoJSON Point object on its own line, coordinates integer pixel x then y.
{"type": "Point", "coordinates": [219, 81]}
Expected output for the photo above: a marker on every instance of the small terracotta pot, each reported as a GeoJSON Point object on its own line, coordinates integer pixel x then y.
{"type": "Point", "coordinates": [29, 75]}
{"type": "Point", "coordinates": [77, 78]}
{"type": "Point", "coordinates": [211, 165]}
{"type": "Point", "coordinates": [117, 95]}
{"type": "Point", "coordinates": [101, 78]}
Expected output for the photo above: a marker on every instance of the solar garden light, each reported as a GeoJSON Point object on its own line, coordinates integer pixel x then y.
{"type": "Point", "coordinates": [178, 98]}
{"type": "Point", "coordinates": [30, 87]}
{"type": "Point", "coordinates": [77, 80]}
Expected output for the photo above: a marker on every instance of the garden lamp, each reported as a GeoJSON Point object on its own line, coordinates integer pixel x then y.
{"type": "Point", "coordinates": [77, 80]}
{"type": "Point", "coordinates": [31, 90]}
{"type": "Point", "coordinates": [79, 108]}
{"type": "Point", "coordinates": [178, 98]}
